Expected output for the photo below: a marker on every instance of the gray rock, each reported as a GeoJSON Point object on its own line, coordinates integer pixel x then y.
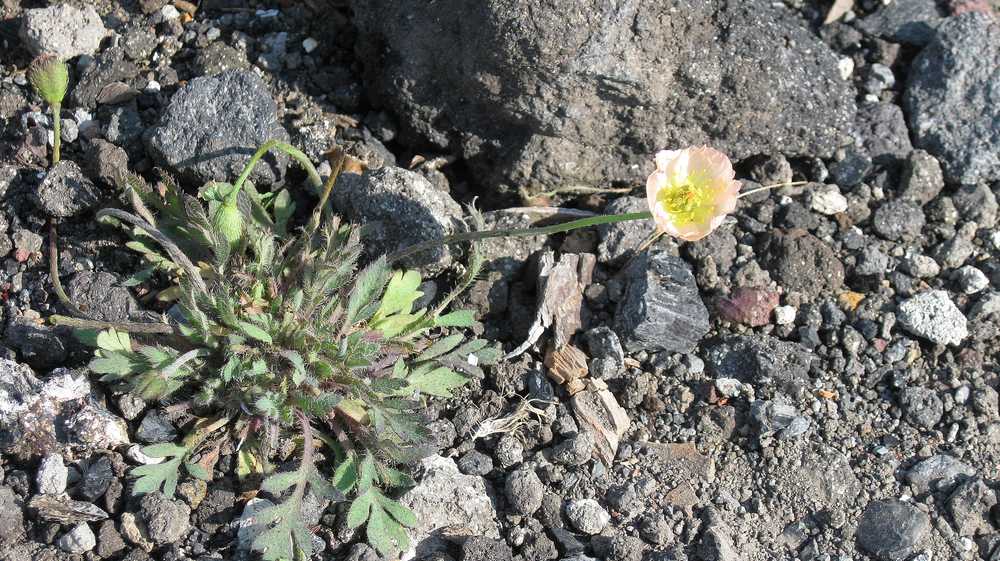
{"type": "Point", "coordinates": [899, 220]}
{"type": "Point", "coordinates": [933, 316]}
{"type": "Point", "coordinates": [96, 478]}
{"type": "Point", "coordinates": [11, 516]}
{"type": "Point", "coordinates": [606, 353]}
{"type": "Point", "coordinates": [475, 462]}
{"type": "Point", "coordinates": [19, 389]}
{"type": "Point", "coordinates": [620, 239]}
{"type": "Point", "coordinates": [212, 127]}
{"type": "Point", "coordinates": [921, 266]}
{"type": "Point", "coordinates": [80, 539]}
{"type": "Point", "coordinates": [625, 548]}
{"type": "Point", "coordinates": [445, 497]}
{"type": "Point", "coordinates": [362, 552]}
{"type": "Point", "coordinates": [911, 22]}
{"type": "Point", "coordinates": [976, 203]}
{"type": "Point", "coordinates": [986, 401]}
{"type": "Point", "coordinates": [575, 450]}
{"type": "Point", "coordinates": [883, 132]}
{"type": "Point", "coordinates": [109, 540]}
{"type": "Point", "coordinates": [873, 263]}
{"type": "Point", "coordinates": [219, 57]}
{"type": "Point", "coordinates": [155, 428]}
{"type": "Point", "coordinates": [63, 30]}
{"type": "Point", "coordinates": [509, 451]}
{"type": "Point", "coordinates": [52, 475]}
{"type": "Point", "coordinates": [399, 208]}
{"type": "Point", "coordinates": [951, 98]}
{"type": "Point", "coordinates": [109, 66]}
{"type": "Point", "coordinates": [107, 162]}
{"type": "Point", "coordinates": [166, 521]}
{"type": "Point", "coordinates": [922, 178]}
{"type": "Point", "coordinates": [587, 516]}
{"type": "Point", "coordinates": [662, 308]}
{"type": "Point", "coordinates": [970, 280]}
{"type": "Point", "coordinates": [953, 253]}
{"type": "Point", "coordinates": [478, 548]}
{"type": "Point", "coordinates": [970, 507]}
{"type": "Point", "coordinates": [140, 42]}
{"type": "Point", "coordinates": [95, 426]}
{"type": "Point", "coordinates": [777, 416]}
{"type": "Point", "coordinates": [125, 129]}
{"type": "Point", "coordinates": [717, 543]}
{"type": "Point", "coordinates": [891, 529]}
{"type": "Point", "coordinates": [542, 66]}
{"type": "Point", "coordinates": [817, 480]}
{"type": "Point", "coordinates": [921, 406]}
{"type": "Point", "coordinates": [37, 417]}
{"type": "Point", "coordinates": [799, 261]}
{"type": "Point", "coordinates": [66, 192]}
{"type": "Point", "coordinates": [524, 490]}
{"type": "Point", "coordinates": [763, 361]}
{"type": "Point", "coordinates": [938, 473]}
{"type": "Point", "coordinates": [39, 345]}
{"type": "Point", "coordinates": [853, 169]}
{"type": "Point", "coordinates": [102, 297]}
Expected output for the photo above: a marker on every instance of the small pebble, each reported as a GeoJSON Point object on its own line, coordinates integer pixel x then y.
{"type": "Point", "coordinates": [784, 315]}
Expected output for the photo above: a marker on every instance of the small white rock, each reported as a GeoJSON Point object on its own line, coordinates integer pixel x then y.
{"type": "Point", "coordinates": [169, 13]}
{"type": "Point", "coordinates": [153, 87]}
{"type": "Point", "coordinates": [784, 315]}
{"type": "Point", "coordinates": [971, 279]}
{"type": "Point", "coordinates": [267, 14]}
{"type": "Point", "coordinates": [828, 200]}
{"type": "Point", "coordinates": [52, 475]}
{"type": "Point", "coordinates": [135, 454]}
{"type": "Point", "coordinates": [962, 394]}
{"type": "Point", "coordinates": [729, 387]}
{"type": "Point", "coordinates": [587, 516]}
{"type": "Point", "coordinates": [80, 539]}
{"type": "Point", "coordinates": [846, 67]}
{"type": "Point", "coordinates": [66, 385]}
{"type": "Point", "coordinates": [309, 44]}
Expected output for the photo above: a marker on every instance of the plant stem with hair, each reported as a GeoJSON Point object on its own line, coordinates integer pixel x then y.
{"type": "Point", "coordinates": [295, 153]}
{"type": "Point", "coordinates": [57, 132]}
{"type": "Point", "coordinates": [516, 232]}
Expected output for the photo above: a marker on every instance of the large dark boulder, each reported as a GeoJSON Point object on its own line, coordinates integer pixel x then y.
{"type": "Point", "coordinates": [550, 92]}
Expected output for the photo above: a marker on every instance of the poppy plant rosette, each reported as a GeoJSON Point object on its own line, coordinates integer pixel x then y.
{"type": "Point", "coordinates": [691, 192]}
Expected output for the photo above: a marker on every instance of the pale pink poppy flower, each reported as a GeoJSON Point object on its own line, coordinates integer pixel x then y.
{"type": "Point", "coordinates": [691, 191]}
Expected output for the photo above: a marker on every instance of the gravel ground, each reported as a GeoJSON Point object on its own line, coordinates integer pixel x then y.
{"type": "Point", "coordinates": [816, 380]}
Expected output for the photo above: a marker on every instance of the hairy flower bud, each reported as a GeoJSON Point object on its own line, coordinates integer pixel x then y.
{"type": "Point", "coordinates": [229, 221]}
{"type": "Point", "coordinates": [50, 78]}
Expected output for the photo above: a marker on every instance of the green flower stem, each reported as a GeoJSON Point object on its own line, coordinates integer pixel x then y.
{"type": "Point", "coordinates": [512, 232]}
{"type": "Point", "coordinates": [57, 130]}
{"type": "Point", "coordinates": [144, 328]}
{"type": "Point", "coordinates": [299, 156]}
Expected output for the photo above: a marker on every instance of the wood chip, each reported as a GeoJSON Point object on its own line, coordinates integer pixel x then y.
{"type": "Point", "coordinates": [567, 366]}
{"type": "Point", "coordinates": [64, 510]}
{"type": "Point", "coordinates": [598, 412]}
{"type": "Point", "coordinates": [186, 7]}
{"type": "Point", "coordinates": [115, 93]}
{"type": "Point", "coordinates": [560, 289]}
{"type": "Point", "coordinates": [837, 10]}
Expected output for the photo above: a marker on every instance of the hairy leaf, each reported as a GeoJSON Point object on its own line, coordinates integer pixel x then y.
{"type": "Point", "coordinates": [367, 287]}
{"type": "Point", "coordinates": [153, 477]}
{"type": "Point", "coordinates": [440, 381]}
